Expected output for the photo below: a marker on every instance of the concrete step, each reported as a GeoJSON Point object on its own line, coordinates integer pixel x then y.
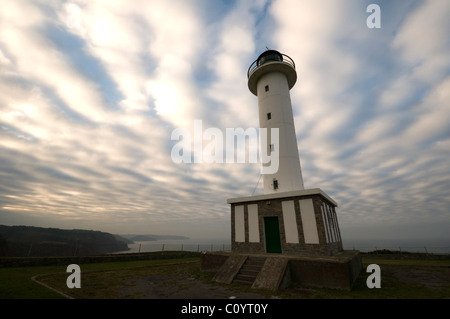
{"type": "Point", "coordinates": [256, 260]}
{"type": "Point", "coordinates": [244, 279]}
{"type": "Point", "coordinates": [249, 271]}
{"type": "Point", "coordinates": [252, 267]}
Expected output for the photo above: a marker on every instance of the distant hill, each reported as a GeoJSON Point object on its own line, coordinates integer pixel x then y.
{"type": "Point", "coordinates": [37, 241]}
{"type": "Point", "coordinates": [125, 240]}
{"type": "Point", "coordinates": [151, 237]}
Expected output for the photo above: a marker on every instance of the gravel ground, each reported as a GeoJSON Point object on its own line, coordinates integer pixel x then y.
{"type": "Point", "coordinates": [171, 287]}
{"type": "Point", "coordinates": [185, 281]}
{"type": "Point", "coordinates": [431, 278]}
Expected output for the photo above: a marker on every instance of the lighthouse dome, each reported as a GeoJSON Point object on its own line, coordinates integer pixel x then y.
{"type": "Point", "coordinates": [268, 56]}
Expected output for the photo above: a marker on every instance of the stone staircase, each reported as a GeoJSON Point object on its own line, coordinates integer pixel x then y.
{"type": "Point", "coordinates": [249, 270]}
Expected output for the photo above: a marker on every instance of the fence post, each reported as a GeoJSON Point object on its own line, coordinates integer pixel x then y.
{"type": "Point", "coordinates": [162, 247]}
{"type": "Point", "coordinates": [181, 247]}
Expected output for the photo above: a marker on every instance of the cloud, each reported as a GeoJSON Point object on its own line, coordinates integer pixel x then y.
{"type": "Point", "coordinates": [92, 91]}
{"type": "Point", "coordinates": [230, 60]}
{"type": "Point", "coordinates": [81, 155]}
{"type": "Point", "coordinates": [365, 119]}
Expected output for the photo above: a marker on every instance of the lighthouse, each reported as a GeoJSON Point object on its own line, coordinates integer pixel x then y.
{"type": "Point", "coordinates": [289, 233]}
{"type": "Point", "coordinates": [287, 218]}
{"type": "Point", "coordinates": [270, 78]}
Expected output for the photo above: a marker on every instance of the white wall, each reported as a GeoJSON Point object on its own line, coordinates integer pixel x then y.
{"type": "Point", "coordinates": [253, 224]}
{"type": "Point", "coordinates": [290, 222]}
{"type": "Point", "coordinates": [277, 101]}
{"type": "Point", "coordinates": [239, 226]}
{"type": "Point", "coordinates": [309, 221]}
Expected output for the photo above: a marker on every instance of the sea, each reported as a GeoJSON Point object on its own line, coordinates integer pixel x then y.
{"type": "Point", "coordinates": [430, 246]}
{"type": "Point", "coordinates": [197, 245]}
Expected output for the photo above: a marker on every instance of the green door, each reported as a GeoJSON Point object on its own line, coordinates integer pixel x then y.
{"type": "Point", "coordinates": [272, 232]}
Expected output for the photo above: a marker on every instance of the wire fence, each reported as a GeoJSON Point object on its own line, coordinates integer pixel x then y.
{"type": "Point", "coordinates": [144, 247]}
{"type": "Point", "coordinates": [405, 249]}
{"type": "Point", "coordinates": [152, 247]}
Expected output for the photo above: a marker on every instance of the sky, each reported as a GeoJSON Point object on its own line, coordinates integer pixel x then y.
{"type": "Point", "coordinates": [91, 92]}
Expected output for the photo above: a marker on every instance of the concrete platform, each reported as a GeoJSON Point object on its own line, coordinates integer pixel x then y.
{"type": "Point", "coordinates": [273, 274]}
{"type": "Point", "coordinates": [230, 268]}
{"type": "Point", "coordinates": [279, 271]}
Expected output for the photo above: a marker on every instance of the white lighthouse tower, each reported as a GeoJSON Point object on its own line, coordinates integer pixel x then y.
{"type": "Point", "coordinates": [270, 78]}
{"type": "Point", "coordinates": [287, 218]}
{"type": "Point", "coordinates": [289, 233]}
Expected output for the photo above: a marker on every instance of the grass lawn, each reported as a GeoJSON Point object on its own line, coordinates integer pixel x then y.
{"type": "Point", "coordinates": [400, 279]}
{"type": "Point", "coordinates": [16, 282]}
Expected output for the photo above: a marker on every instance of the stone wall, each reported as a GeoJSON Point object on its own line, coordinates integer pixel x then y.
{"type": "Point", "coordinates": [213, 261]}
{"type": "Point", "coordinates": [326, 273]}
{"type": "Point", "coordinates": [338, 272]}
{"type": "Point", "coordinates": [273, 207]}
{"type": "Point", "coordinates": [54, 261]}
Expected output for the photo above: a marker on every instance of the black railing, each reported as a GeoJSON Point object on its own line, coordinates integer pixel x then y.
{"type": "Point", "coordinates": [258, 62]}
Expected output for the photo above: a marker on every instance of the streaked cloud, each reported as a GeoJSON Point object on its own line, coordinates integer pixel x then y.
{"type": "Point", "coordinates": [92, 90]}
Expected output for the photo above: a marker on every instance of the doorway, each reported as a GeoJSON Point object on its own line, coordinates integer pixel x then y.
{"type": "Point", "coordinates": [272, 234]}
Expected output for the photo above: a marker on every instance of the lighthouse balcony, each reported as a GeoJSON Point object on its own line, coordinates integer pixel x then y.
{"type": "Point", "coordinates": [271, 61]}
{"type": "Point", "coordinates": [269, 57]}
